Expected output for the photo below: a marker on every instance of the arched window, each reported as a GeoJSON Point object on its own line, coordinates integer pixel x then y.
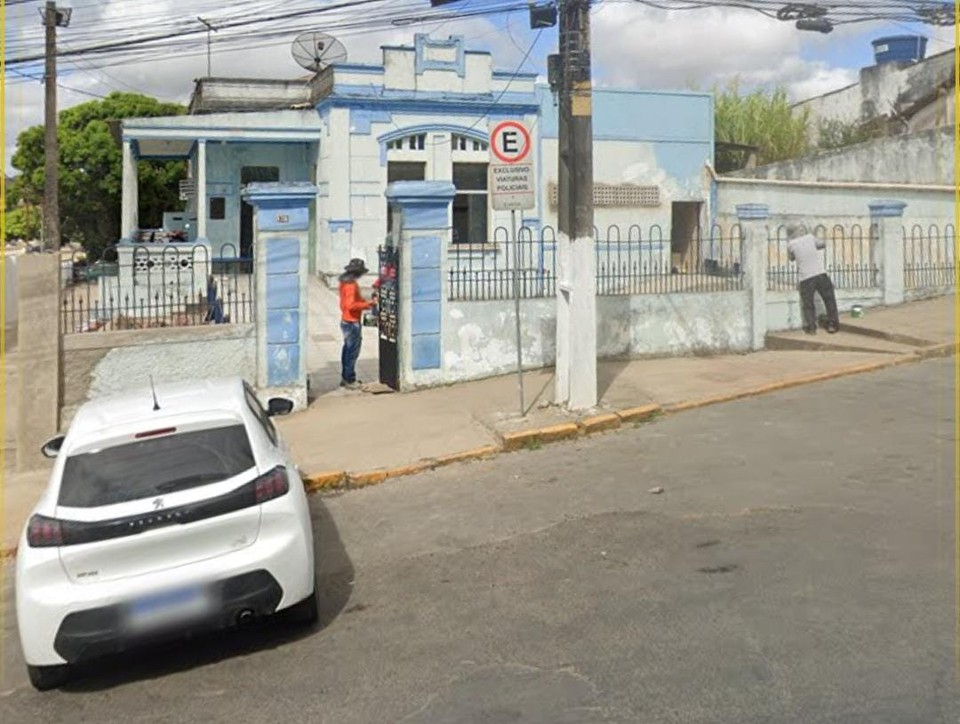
{"type": "Point", "coordinates": [415, 142]}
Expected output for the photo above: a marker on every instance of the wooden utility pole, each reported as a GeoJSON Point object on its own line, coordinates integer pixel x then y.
{"type": "Point", "coordinates": [51, 195]}
{"type": "Point", "coordinates": [576, 375]}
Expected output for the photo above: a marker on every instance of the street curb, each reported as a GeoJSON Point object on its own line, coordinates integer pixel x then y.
{"type": "Point", "coordinates": [316, 482]}
{"type": "Point", "coordinates": [334, 480]}
{"type": "Point", "coordinates": [480, 453]}
{"type": "Point", "coordinates": [795, 382]}
{"type": "Point", "coordinates": [937, 350]}
{"type": "Point", "coordinates": [513, 441]}
{"type": "Point", "coordinates": [600, 423]}
{"type": "Point", "coordinates": [639, 414]}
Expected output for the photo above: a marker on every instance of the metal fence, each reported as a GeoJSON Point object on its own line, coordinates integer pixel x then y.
{"type": "Point", "coordinates": [627, 262]}
{"type": "Point", "coordinates": [480, 272]}
{"type": "Point", "coordinates": [635, 263]}
{"type": "Point", "coordinates": [929, 256]}
{"type": "Point", "coordinates": [848, 257]}
{"type": "Point", "coordinates": [141, 286]}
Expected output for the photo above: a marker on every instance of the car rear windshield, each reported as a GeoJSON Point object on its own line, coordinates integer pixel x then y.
{"type": "Point", "coordinates": [155, 466]}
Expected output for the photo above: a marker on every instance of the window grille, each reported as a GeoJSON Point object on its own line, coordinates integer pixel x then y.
{"type": "Point", "coordinates": [415, 142]}
{"type": "Point", "coordinates": [616, 195]}
{"type": "Point", "coordinates": [462, 143]}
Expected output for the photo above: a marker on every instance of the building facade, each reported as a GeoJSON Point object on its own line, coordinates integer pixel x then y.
{"type": "Point", "coordinates": [425, 113]}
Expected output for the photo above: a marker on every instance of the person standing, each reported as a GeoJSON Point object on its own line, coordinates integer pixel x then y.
{"type": "Point", "coordinates": [804, 249]}
{"type": "Point", "coordinates": [352, 307]}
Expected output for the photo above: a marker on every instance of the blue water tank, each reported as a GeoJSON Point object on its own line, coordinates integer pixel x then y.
{"type": "Point", "coordinates": [899, 48]}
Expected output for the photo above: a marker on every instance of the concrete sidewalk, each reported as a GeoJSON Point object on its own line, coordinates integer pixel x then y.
{"type": "Point", "coordinates": [356, 438]}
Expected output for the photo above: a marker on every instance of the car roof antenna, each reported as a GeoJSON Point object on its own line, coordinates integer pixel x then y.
{"type": "Point", "coordinates": [153, 389]}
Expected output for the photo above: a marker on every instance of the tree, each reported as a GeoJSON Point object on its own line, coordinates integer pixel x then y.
{"type": "Point", "coordinates": [91, 169]}
{"type": "Point", "coordinates": [761, 119]}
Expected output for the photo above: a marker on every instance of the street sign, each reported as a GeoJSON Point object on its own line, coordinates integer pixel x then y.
{"type": "Point", "coordinates": [509, 142]}
{"type": "Point", "coordinates": [512, 186]}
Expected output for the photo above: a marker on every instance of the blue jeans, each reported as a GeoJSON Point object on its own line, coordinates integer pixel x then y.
{"type": "Point", "coordinates": [352, 339]}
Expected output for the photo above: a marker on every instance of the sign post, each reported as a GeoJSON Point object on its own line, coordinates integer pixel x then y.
{"type": "Point", "coordinates": [513, 188]}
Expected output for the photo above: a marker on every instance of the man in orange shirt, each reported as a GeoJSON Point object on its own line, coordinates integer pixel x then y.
{"type": "Point", "coordinates": [352, 307]}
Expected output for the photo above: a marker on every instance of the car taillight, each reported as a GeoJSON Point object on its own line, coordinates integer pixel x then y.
{"type": "Point", "coordinates": [44, 532]}
{"type": "Point", "coordinates": [271, 485]}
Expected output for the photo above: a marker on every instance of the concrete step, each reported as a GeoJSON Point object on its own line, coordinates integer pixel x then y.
{"type": "Point", "coordinates": [842, 341]}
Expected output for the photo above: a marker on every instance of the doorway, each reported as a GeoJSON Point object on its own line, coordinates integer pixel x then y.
{"type": "Point", "coordinates": [249, 175]}
{"type": "Point", "coordinates": [684, 227]}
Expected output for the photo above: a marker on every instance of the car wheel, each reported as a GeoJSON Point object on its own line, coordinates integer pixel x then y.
{"type": "Point", "coordinates": [307, 612]}
{"type": "Point", "coordinates": [44, 678]}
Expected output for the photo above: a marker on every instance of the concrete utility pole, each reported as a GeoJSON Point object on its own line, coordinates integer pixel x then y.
{"type": "Point", "coordinates": [576, 371]}
{"type": "Point", "coordinates": [51, 195]}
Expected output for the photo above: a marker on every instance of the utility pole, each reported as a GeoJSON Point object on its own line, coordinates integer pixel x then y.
{"type": "Point", "coordinates": [576, 372]}
{"type": "Point", "coordinates": [51, 195]}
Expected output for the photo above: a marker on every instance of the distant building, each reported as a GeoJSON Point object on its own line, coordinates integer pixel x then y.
{"type": "Point", "coordinates": [425, 113]}
{"type": "Point", "coordinates": [903, 92]}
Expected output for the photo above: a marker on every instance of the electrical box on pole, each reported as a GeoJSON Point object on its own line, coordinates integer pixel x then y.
{"type": "Point", "coordinates": [543, 16]}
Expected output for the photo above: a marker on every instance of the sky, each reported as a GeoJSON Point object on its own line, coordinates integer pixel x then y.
{"type": "Point", "coordinates": [634, 46]}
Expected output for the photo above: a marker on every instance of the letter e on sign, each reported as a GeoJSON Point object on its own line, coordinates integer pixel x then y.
{"type": "Point", "coordinates": [509, 142]}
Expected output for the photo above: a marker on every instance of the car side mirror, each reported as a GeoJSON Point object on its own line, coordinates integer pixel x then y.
{"type": "Point", "coordinates": [51, 447]}
{"type": "Point", "coordinates": [279, 406]}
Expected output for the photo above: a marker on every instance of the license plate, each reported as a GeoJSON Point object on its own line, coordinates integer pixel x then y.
{"type": "Point", "coordinates": [170, 607]}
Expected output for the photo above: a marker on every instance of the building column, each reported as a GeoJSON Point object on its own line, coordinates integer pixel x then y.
{"type": "Point", "coordinates": [755, 249]}
{"type": "Point", "coordinates": [424, 237]}
{"type": "Point", "coordinates": [201, 190]}
{"type": "Point", "coordinates": [129, 221]}
{"type": "Point", "coordinates": [280, 250]}
{"type": "Point", "coordinates": [886, 230]}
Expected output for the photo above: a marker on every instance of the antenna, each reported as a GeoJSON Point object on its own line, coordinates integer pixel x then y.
{"type": "Point", "coordinates": [314, 50]}
{"type": "Point", "coordinates": [153, 389]}
{"type": "Point", "coordinates": [209, 28]}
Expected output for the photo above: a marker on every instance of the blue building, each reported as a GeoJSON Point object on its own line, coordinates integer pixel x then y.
{"type": "Point", "coordinates": [425, 112]}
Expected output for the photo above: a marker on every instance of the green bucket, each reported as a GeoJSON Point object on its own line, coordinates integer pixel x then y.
{"type": "Point", "coordinates": [856, 311]}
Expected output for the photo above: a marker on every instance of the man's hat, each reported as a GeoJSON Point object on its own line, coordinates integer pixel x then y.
{"type": "Point", "coordinates": [356, 266]}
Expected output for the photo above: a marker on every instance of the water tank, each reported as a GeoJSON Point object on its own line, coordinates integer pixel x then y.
{"type": "Point", "coordinates": [899, 48]}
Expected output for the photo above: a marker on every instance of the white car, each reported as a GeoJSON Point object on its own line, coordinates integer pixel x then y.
{"type": "Point", "coordinates": [169, 511]}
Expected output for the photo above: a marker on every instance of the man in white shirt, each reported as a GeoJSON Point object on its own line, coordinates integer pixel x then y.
{"type": "Point", "coordinates": [805, 249]}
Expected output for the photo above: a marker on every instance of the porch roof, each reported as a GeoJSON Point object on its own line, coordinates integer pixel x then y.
{"type": "Point", "coordinates": [174, 136]}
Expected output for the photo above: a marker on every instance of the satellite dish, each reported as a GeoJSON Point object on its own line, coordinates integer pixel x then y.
{"type": "Point", "coordinates": [314, 50]}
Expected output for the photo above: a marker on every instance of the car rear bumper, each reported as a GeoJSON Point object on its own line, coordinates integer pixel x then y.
{"type": "Point", "coordinates": [97, 632]}
{"type": "Point", "coordinates": [62, 621]}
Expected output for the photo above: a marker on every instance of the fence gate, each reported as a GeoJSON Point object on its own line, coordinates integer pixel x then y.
{"type": "Point", "coordinates": [389, 315]}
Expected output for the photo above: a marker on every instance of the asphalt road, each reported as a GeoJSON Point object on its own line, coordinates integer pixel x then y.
{"type": "Point", "coordinates": [798, 567]}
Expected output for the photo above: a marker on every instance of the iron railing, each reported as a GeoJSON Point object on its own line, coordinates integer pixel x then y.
{"type": "Point", "coordinates": [849, 257]}
{"type": "Point", "coordinates": [630, 262]}
{"type": "Point", "coordinates": [929, 256]}
{"type": "Point", "coordinates": [481, 272]}
{"type": "Point", "coordinates": [141, 286]}
{"type": "Point", "coordinates": [652, 264]}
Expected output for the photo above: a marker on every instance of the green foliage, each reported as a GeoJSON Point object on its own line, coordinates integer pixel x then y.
{"type": "Point", "coordinates": [91, 169]}
{"type": "Point", "coordinates": [22, 222]}
{"type": "Point", "coordinates": [837, 134]}
{"type": "Point", "coordinates": [763, 119]}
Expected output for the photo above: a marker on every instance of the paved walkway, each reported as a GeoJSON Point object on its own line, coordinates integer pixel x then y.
{"type": "Point", "coordinates": [358, 432]}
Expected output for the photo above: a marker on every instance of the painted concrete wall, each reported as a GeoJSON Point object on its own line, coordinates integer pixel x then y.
{"type": "Point", "coordinates": [103, 363]}
{"type": "Point", "coordinates": [656, 138]}
{"type": "Point", "coordinates": [926, 157]}
{"type": "Point", "coordinates": [892, 90]}
{"type": "Point", "coordinates": [10, 294]}
{"type": "Point", "coordinates": [478, 336]}
{"type": "Point", "coordinates": [224, 164]}
{"type": "Point", "coordinates": [829, 205]}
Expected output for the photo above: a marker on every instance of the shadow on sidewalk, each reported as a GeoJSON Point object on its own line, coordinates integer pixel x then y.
{"type": "Point", "coordinates": [335, 575]}
{"type": "Point", "coordinates": [607, 373]}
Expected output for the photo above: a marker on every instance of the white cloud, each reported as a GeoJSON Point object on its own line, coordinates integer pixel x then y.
{"type": "Point", "coordinates": [633, 46]}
